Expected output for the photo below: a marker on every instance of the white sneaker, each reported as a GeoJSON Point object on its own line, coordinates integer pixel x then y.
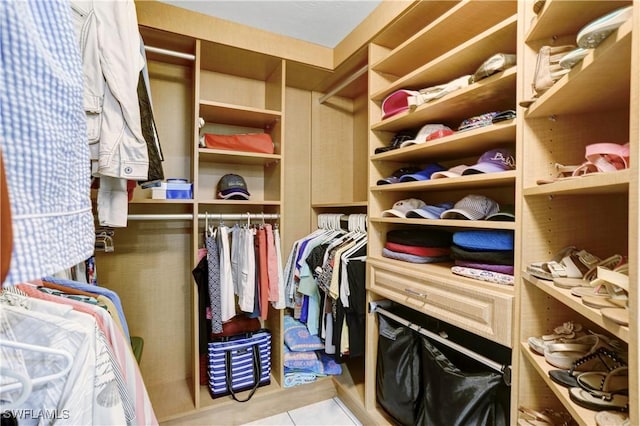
{"type": "Point", "coordinates": [592, 35]}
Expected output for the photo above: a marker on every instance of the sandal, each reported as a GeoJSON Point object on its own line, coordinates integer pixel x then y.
{"type": "Point", "coordinates": [604, 158]}
{"type": "Point", "coordinates": [550, 269]}
{"type": "Point", "coordinates": [611, 418]}
{"type": "Point", "coordinates": [616, 380]}
{"type": "Point", "coordinates": [547, 417]}
{"type": "Point", "coordinates": [585, 281]}
{"type": "Point", "coordinates": [602, 359]}
{"type": "Point", "coordinates": [562, 173]}
{"type": "Point", "coordinates": [575, 354]}
{"type": "Point", "coordinates": [600, 400]}
{"type": "Point", "coordinates": [617, 285]}
{"type": "Point", "coordinates": [561, 334]}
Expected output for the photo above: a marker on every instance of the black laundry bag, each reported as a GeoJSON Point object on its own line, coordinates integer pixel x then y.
{"type": "Point", "coordinates": [459, 394]}
{"type": "Point", "coordinates": [398, 378]}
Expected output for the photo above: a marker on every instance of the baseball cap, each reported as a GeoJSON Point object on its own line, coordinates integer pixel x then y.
{"type": "Point", "coordinates": [495, 160]}
{"type": "Point", "coordinates": [424, 174]}
{"type": "Point", "coordinates": [472, 207]}
{"type": "Point", "coordinates": [395, 177]}
{"type": "Point", "coordinates": [397, 102]}
{"type": "Point", "coordinates": [477, 121]}
{"type": "Point", "coordinates": [489, 239]}
{"type": "Point", "coordinates": [505, 214]}
{"type": "Point", "coordinates": [425, 133]}
{"type": "Point", "coordinates": [429, 211]}
{"type": "Point", "coordinates": [402, 207]}
{"type": "Point", "coordinates": [452, 172]}
{"type": "Point", "coordinates": [232, 187]}
{"type": "Point", "coordinates": [397, 141]}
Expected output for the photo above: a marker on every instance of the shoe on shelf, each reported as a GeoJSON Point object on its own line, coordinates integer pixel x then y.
{"type": "Point", "coordinates": [569, 60]}
{"type": "Point", "coordinates": [590, 36]}
{"type": "Point", "coordinates": [610, 262]}
{"type": "Point", "coordinates": [614, 381]}
{"type": "Point", "coordinates": [547, 417]}
{"type": "Point", "coordinates": [616, 284]}
{"type": "Point", "coordinates": [568, 263]}
{"type": "Point", "coordinates": [561, 334]}
{"type": "Point", "coordinates": [612, 418]}
{"type": "Point", "coordinates": [602, 359]}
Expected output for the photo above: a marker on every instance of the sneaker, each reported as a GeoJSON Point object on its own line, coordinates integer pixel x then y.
{"type": "Point", "coordinates": [592, 35]}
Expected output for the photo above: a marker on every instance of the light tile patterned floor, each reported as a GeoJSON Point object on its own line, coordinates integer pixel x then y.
{"type": "Point", "coordinates": [331, 412]}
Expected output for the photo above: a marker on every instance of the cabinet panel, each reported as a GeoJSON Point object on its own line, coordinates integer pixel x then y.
{"type": "Point", "coordinates": [474, 308]}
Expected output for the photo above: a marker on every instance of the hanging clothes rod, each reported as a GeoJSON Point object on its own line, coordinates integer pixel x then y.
{"type": "Point", "coordinates": [212, 216]}
{"type": "Point", "coordinates": [168, 52]}
{"type": "Point", "coordinates": [502, 369]}
{"type": "Point", "coordinates": [344, 84]}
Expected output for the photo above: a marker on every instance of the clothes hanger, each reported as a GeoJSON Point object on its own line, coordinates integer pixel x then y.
{"type": "Point", "coordinates": [42, 349]}
{"type": "Point", "coordinates": [23, 381]}
{"type": "Point", "coordinates": [65, 289]}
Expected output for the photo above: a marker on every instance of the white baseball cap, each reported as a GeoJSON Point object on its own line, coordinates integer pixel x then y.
{"type": "Point", "coordinates": [452, 172]}
{"type": "Point", "coordinates": [424, 133]}
{"type": "Point", "coordinates": [472, 207]}
{"type": "Point", "coordinates": [402, 207]}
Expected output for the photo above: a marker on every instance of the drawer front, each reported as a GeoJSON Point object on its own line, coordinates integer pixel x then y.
{"type": "Point", "coordinates": [479, 310]}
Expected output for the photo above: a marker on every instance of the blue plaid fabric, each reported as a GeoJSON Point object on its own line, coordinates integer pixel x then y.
{"type": "Point", "coordinates": [43, 138]}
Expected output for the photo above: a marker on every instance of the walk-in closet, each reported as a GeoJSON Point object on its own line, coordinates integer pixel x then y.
{"type": "Point", "coordinates": [432, 222]}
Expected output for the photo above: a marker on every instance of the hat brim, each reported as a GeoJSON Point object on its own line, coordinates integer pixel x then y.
{"type": "Point", "coordinates": [413, 177]}
{"type": "Point", "coordinates": [501, 217]}
{"type": "Point", "coordinates": [445, 174]}
{"type": "Point", "coordinates": [234, 195]}
{"type": "Point", "coordinates": [483, 168]}
{"type": "Point", "coordinates": [388, 181]}
{"type": "Point", "coordinates": [394, 212]}
{"type": "Point", "coordinates": [425, 213]}
{"type": "Point", "coordinates": [469, 214]}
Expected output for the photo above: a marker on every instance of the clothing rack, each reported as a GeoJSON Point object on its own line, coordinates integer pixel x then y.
{"type": "Point", "coordinates": [344, 84]}
{"type": "Point", "coordinates": [212, 216]}
{"type": "Point", "coordinates": [505, 370]}
{"type": "Point", "coordinates": [168, 52]}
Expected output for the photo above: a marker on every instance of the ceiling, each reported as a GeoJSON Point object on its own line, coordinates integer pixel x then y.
{"type": "Point", "coordinates": [323, 22]}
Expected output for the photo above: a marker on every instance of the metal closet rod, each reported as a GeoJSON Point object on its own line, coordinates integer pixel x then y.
{"type": "Point", "coordinates": [376, 307]}
{"type": "Point", "coordinates": [213, 216]}
{"type": "Point", "coordinates": [168, 52]}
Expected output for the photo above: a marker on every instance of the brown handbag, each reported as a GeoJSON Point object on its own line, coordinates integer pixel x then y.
{"type": "Point", "coordinates": [247, 142]}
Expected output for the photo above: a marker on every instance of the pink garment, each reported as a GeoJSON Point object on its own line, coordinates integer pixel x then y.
{"type": "Point", "coordinates": [503, 269]}
{"type": "Point", "coordinates": [263, 277]}
{"type": "Point", "coordinates": [272, 264]}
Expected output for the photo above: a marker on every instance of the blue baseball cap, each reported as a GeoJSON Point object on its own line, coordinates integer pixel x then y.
{"type": "Point", "coordinates": [424, 174]}
{"type": "Point", "coordinates": [484, 240]}
{"type": "Point", "coordinates": [429, 211]}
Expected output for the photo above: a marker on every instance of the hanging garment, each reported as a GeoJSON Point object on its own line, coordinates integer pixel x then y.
{"type": "Point", "coordinates": [48, 183]}
{"type": "Point", "coordinates": [262, 283]}
{"type": "Point", "coordinates": [213, 268]}
{"type": "Point", "coordinates": [281, 301]}
{"type": "Point", "coordinates": [227, 296]}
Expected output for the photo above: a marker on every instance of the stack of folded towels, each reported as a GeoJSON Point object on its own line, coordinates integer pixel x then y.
{"type": "Point", "coordinates": [418, 245]}
{"type": "Point", "coordinates": [485, 255]}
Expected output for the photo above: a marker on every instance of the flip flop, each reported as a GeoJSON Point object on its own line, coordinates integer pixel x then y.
{"type": "Point", "coordinates": [562, 173]}
{"type": "Point", "coordinates": [599, 401]}
{"type": "Point", "coordinates": [610, 262]}
{"type": "Point", "coordinates": [611, 418]}
{"type": "Point", "coordinates": [604, 158]}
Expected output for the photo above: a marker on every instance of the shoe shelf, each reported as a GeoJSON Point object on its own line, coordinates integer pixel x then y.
{"type": "Point", "coordinates": [599, 83]}
{"type": "Point", "coordinates": [437, 39]}
{"type": "Point", "coordinates": [464, 59]}
{"type": "Point", "coordinates": [450, 147]}
{"type": "Point", "coordinates": [561, 17]}
{"type": "Point", "coordinates": [566, 298]}
{"type": "Point", "coordinates": [582, 415]}
{"type": "Point", "coordinates": [494, 93]}
{"type": "Point", "coordinates": [590, 184]}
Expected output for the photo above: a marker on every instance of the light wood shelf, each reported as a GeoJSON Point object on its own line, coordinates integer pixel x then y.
{"type": "Point", "coordinates": [482, 180]}
{"type": "Point", "coordinates": [448, 223]}
{"type": "Point", "coordinates": [237, 157]}
{"type": "Point", "coordinates": [494, 93]}
{"type": "Point", "coordinates": [593, 184]}
{"type": "Point", "coordinates": [238, 115]}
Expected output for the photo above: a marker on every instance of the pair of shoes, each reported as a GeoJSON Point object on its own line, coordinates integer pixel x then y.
{"type": "Point", "coordinates": [567, 263]}
{"type": "Point", "coordinates": [596, 287]}
{"type": "Point", "coordinates": [613, 306]}
{"type": "Point", "coordinates": [602, 391]}
{"type": "Point", "coordinates": [602, 359]}
{"type": "Point", "coordinates": [585, 281]}
{"type": "Point", "coordinates": [574, 355]}
{"type": "Point", "coordinates": [547, 417]}
{"type": "Point", "coordinates": [590, 36]}
{"type": "Point", "coordinates": [564, 333]}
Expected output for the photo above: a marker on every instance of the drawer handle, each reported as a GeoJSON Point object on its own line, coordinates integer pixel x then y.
{"type": "Point", "coordinates": [415, 293]}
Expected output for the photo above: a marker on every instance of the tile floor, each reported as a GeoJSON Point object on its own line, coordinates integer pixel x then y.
{"type": "Point", "coordinates": [331, 412]}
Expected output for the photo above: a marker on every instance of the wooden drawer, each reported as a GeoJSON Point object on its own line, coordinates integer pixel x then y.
{"type": "Point", "coordinates": [480, 310]}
